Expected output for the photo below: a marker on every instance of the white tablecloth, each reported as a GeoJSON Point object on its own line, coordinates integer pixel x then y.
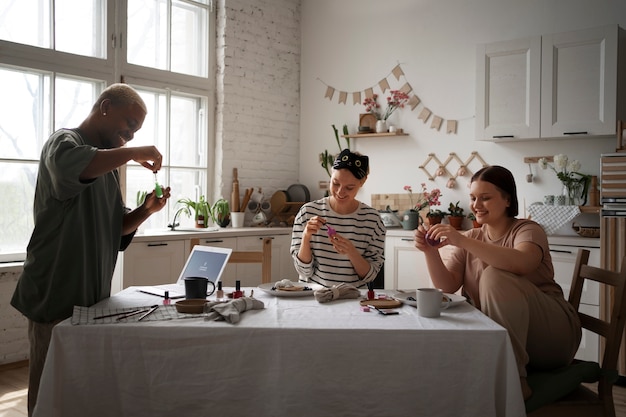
{"type": "Point", "coordinates": [296, 357]}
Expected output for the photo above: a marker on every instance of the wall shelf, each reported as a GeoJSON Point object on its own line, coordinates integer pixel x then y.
{"type": "Point", "coordinates": [590, 209]}
{"type": "Point", "coordinates": [373, 135]}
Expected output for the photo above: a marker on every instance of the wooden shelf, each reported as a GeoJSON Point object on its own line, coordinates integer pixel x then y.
{"type": "Point", "coordinates": [590, 209]}
{"type": "Point", "coordinates": [373, 135]}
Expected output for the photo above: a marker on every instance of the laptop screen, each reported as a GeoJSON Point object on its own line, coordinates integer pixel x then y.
{"type": "Point", "coordinates": [205, 261]}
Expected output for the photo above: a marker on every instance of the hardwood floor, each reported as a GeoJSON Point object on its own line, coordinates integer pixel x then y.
{"type": "Point", "coordinates": [14, 392]}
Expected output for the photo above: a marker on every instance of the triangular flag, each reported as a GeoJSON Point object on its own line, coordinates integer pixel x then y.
{"type": "Point", "coordinates": [342, 97]}
{"type": "Point", "coordinates": [356, 98]}
{"type": "Point", "coordinates": [369, 92]}
{"type": "Point", "coordinates": [413, 102]}
{"type": "Point", "coordinates": [451, 126]}
{"type": "Point", "coordinates": [384, 85]}
{"type": "Point", "coordinates": [424, 114]}
{"type": "Point", "coordinates": [397, 71]}
{"type": "Point", "coordinates": [436, 123]}
{"type": "Point", "coordinates": [406, 88]}
{"type": "Point", "coordinates": [329, 92]}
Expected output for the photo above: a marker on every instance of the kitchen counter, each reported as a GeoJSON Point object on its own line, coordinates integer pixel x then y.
{"type": "Point", "coordinates": [189, 233]}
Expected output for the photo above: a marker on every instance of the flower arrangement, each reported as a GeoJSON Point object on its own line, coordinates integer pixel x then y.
{"type": "Point", "coordinates": [396, 100]}
{"type": "Point", "coordinates": [425, 198]}
{"type": "Point", "coordinates": [576, 183]}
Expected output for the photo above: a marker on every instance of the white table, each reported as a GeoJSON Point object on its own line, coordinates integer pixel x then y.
{"type": "Point", "coordinates": [296, 357]}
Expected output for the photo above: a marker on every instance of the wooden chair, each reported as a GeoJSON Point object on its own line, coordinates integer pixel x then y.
{"type": "Point", "coordinates": [561, 392]}
{"type": "Point", "coordinates": [264, 257]}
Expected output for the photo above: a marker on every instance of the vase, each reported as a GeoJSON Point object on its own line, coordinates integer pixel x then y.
{"type": "Point", "coordinates": [572, 194]}
{"type": "Point", "coordinates": [410, 220]}
{"type": "Point", "coordinates": [381, 126]}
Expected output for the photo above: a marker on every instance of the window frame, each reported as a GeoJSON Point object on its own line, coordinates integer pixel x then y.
{"type": "Point", "coordinates": [115, 68]}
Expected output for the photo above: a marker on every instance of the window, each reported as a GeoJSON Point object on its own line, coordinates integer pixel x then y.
{"type": "Point", "coordinates": [58, 55]}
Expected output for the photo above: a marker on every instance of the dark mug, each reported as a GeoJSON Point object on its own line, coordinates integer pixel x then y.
{"type": "Point", "coordinates": [196, 287]}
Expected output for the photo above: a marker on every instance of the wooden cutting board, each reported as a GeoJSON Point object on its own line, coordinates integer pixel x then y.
{"type": "Point", "coordinates": [383, 303]}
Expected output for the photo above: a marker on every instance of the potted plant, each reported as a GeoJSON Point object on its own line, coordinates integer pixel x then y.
{"type": "Point", "coordinates": [221, 212]}
{"type": "Point", "coordinates": [472, 217]}
{"type": "Point", "coordinates": [435, 216]}
{"type": "Point", "coordinates": [200, 208]}
{"type": "Point", "coordinates": [456, 215]}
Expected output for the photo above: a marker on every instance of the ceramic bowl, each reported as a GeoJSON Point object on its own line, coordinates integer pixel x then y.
{"type": "Point", "coordinates": [191, 306]}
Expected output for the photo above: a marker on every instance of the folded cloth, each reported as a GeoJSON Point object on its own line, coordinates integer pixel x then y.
{"type": "Point", "coordinates": [336, 292]}
{"type": "Point", "coordinates": [231, 310]}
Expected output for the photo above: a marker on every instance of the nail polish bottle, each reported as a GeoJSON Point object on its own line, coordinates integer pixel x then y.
{"type": "Point", "coordinates": [220, 291]}
{"type": "Point", "coordinates": [237, 293]}
{"type": "Point", "coordinates": [166, 298]}
{"type": "Point", "coordinates": [370, 291]}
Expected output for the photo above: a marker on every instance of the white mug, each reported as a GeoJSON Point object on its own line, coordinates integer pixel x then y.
{"type": "Point", "coordinates": [430, 302]}
{"type": "Point", "coordinates": [237, 218]}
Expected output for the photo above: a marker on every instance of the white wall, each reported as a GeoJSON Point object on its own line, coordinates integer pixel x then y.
{"type": "Point", "coordinates": [352, 44]}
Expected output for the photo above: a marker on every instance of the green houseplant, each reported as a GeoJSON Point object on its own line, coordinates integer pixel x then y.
{"type": "Point", "coordinates": [472, 217]}
{"type": "Point", "coordinates": [201, 210]}
{"type": "Point", "coordinates": [456, 214]}
{"type": "Point", "coordinates": [221, 212]}
{"type": "Point", "coordinates": [435, 216]}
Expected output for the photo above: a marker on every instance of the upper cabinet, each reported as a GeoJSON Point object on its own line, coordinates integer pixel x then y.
{"type": "Point", "coordinates": [552, 86]}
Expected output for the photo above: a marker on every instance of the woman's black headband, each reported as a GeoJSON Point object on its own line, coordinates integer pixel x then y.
{"type": "Point", "coordinates": [357, 164]}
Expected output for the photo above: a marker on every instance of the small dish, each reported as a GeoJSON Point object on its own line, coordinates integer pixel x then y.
{"type": "Point", "coordinates": [408, 297]}
{"type": "Point", "coordinates": [191, 306]}
{"type": "Point", "coordinates": [303, 290]}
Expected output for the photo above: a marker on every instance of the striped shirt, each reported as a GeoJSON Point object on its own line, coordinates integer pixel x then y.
{"type": "Point", "coordinates": [364, 228]}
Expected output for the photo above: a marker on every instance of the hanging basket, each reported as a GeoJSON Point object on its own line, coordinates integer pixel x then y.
{"type": "Point", "coordinates": [586, 231]}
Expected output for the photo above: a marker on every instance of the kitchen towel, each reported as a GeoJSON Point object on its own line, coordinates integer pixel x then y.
{"type": "Point", "coordinates": [552, 218]}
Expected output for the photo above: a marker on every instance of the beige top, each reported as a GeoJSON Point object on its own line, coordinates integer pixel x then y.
{"type": "Point", "coordinates": [471, 268]}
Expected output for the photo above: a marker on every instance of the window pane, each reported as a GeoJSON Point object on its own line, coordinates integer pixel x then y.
{"type": "Point", "coordinates": [185, 147]}
{"type": "Point", "coordinates": [189, 37]}
{"type": "Point", "coordinates": [26, 22]}
{"type": "Point", "coordinates": [17, 183]}
{"type": "Point", "coordinates": [147, 33]}
{"type": "Point", "coordinates": [24, 119]}
{"type": "Point", "coordinates": [186, 184]}
{"type": "Point", "coordinates": [154, 128]}
{"type": "Point", "coordinates": [74, 99]}
{"type": "Point", "coordinates": [139, 179]}
{"type": "Point", "coordinates": [182, 49]}
{"type": "Point", "coordinates": [80, 27]}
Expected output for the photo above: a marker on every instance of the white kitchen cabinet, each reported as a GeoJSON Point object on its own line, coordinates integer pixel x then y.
{"type": "Point", "coordinates": [153, 262]}
{"type": "Point", "coordinates": [564, 260]}
{"type": "Point", "coordinates": [405, 265]}
{"type": "Point", "coordinates": [553, 86]}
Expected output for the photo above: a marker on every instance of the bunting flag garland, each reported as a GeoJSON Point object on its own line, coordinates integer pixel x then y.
{"type": "Point", "coordinates": [414, 101]}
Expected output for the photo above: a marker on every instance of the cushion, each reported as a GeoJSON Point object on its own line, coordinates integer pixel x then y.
{"type": "Point", "coordinates": [549, 386]}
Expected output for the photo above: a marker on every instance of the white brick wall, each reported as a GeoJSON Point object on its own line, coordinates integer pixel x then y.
{"type": "Point", "coordinates": [258, 93]}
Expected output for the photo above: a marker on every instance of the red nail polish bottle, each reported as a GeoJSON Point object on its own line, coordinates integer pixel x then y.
{"type": "Point", "coordinates": [237, 293]}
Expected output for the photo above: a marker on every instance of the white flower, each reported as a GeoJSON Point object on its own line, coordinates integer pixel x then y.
{"type": "Point", "coordinates": [560, 161]}
{"type": "Point", "coordinates": [543, 163]}
{"type": "Point", "coordinates": [574, 166]}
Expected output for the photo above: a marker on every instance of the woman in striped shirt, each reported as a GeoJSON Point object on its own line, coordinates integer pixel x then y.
{"type": "Point", "coordinates": [338, 238]}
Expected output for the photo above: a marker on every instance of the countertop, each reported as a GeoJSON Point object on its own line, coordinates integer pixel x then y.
{"type": "Point", "coordinates": [185, 233]}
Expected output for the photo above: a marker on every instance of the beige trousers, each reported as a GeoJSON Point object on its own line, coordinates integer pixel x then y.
{"type": "Point", "coordinates": [544, 329]}
{"type": "Point", "coordinates": [39, 335]}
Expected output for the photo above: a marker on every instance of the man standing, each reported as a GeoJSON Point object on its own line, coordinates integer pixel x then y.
{"type": "Point", "coordinates": [81, 222]}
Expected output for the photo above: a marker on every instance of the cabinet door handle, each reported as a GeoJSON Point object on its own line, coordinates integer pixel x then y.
{"type": "Point", "coordinates": [214, 241]}
{"type": "Point", "coordinates": [266, 237]}
{"type": "Point", "coordinates": [562, 251]}
{"type": "Point", "coordinates": [575, 133]}
{"type": "Point", "coordinates": [503, 136]}
{"type": "Point", "coordinates": [157, 244]}
{"type": "Point", "coordinates": [406, 239]}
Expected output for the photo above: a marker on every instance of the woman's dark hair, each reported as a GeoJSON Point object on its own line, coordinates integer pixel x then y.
{"type": "Point", "coordinates": [504, 181]}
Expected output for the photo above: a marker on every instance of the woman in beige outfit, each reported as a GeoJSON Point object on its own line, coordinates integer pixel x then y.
{"type": "Point", "coordinates": [505, 269]}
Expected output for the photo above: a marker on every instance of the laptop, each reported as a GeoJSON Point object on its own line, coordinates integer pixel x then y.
{"type": "Point", "coordinates": [203, 261]}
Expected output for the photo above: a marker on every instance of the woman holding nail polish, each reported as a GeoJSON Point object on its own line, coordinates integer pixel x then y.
{"type": "Point", "coordinates": [339, 239]}
{"type": "Point", "coordinates": [505, 269]}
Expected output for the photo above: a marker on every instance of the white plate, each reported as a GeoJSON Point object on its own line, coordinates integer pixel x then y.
{"type": "Point", "coordinates": [278, 293]}
{"type": "Point", "coordinates": [403, 296]}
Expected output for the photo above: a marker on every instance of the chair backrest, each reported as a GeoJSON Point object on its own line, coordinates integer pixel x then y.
{"type": "Point", "coordinates": [264, 257]}
{"type": "Point", "coordinates": [613, 327]}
